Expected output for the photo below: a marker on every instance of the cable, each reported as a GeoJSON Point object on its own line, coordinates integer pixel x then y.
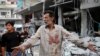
{"type": "Point", "coordinates": [91, 28]}
{"type": "Point", "coordinates": [92, 17]}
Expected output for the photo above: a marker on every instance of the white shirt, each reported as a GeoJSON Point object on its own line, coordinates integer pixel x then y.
{"type": "Point", "coordinates": [56, 36]}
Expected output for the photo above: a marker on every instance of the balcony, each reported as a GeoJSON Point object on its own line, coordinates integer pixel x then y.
{"type": "Point", "coordinates": [66, 3]}
{"type": "Point", "coordinates": [62, 1]}
{"type": "Point", "coordinates": [10, 18]}
{"type": "Point", "coordinates": [9, 6]}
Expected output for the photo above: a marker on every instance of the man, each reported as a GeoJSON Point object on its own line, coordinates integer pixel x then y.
{"type": "Point", "coordinates": [24, 34]}
{"type": "Point", "coordinates": [10, 39]}
{"type": "Point", "coordinates": [50, 36]}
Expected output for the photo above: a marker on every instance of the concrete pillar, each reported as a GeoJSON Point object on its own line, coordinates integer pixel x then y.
{"type": "Point", "coordinates": [60, 16]}
{"type": "Point", "coordinates": [83, 23]}
{"type": "Point", "coordinates": [33, 25]}
{"type": "Point", "coordinates": [23, 20]}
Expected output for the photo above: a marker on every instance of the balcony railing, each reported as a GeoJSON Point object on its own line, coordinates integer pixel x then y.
{"type": "Point", "coordinates": [61, 1]}
{"type": "Point", "coordinates": [7, 6]}
{"type": "Point", "coordinates": [10, 18]}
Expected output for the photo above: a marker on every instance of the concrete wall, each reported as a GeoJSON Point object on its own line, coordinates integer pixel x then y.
{"type": "Point", "coordinates": [89, 3]}
{"type": "Point", "coordinates": [28, 3]}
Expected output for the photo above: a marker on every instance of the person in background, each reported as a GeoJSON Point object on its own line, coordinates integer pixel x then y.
{"type": "Point", "coordinates": [25, 34]}
{"type": "Point", "coordinates": [50, 36]}
{"type": "Point", "coordinates": [10, 39]}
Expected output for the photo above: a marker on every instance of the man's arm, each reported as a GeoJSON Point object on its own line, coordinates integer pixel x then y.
{"type": "Point", "coordinates": [77, 40]}
{"type": "Point", "coordinates": [33, 39]}
{"type": "Point", "coordinates": [3, 51]}
{"type": "Point", "coordinates": [30, 42]}
{"type": "Point", "coordinates": [68, 35]}
{"type": "Point", "coordinates": [3, 41]}
{"type": "Point", "coordinates": [71, 37]}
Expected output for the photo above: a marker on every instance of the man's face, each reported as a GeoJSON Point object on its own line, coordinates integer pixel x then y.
{"type": "Point", "coordinates": [26, 29]}
{"type": "Point", "coordinates": [9, 27]}
{"type": "Point", "coordinates": [47, 19]}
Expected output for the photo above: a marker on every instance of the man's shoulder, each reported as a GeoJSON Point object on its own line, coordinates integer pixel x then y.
{"type": "Point", "coordinates": [16, 33]}
{"type": "Point", "coordinates": [58, 26]}
{"type": "Point", "coordinates": [4, 34]}
{"type": "Point", "coordinates": [42, 26]}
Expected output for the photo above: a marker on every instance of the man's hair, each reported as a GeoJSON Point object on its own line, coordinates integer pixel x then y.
{"type": "Point", "coordinates": [51, 13]}
{"type": "Point", "coordinates": [10, 22]}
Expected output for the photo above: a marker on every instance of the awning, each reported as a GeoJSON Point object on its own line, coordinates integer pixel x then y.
{"type": "Point", "coordinates": [36, 7]}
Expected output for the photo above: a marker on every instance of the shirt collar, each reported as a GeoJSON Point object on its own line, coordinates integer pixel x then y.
{"type": "Point", "coordinates": [47, 26]}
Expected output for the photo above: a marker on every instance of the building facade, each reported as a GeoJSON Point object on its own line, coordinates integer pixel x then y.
{"type": "Point", "coordinates": [90, 17]}
{"type": "Point", "coordinates": [80, 16]}
{"type": "Point", "coordinates": [7, 13]}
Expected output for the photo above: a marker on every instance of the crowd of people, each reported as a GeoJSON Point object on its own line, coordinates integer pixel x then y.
{"type": "Point", "coordinates": [50, 35]}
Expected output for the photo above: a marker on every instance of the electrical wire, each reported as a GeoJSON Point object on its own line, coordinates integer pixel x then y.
{"type": "Point", "coordinates": [92, 17]}
{"type": "Point", "coordinates": [91, 28]}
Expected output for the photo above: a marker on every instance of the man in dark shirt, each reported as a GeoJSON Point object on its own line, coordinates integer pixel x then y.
{"type": "Point", "coordinates": [10, 39]}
